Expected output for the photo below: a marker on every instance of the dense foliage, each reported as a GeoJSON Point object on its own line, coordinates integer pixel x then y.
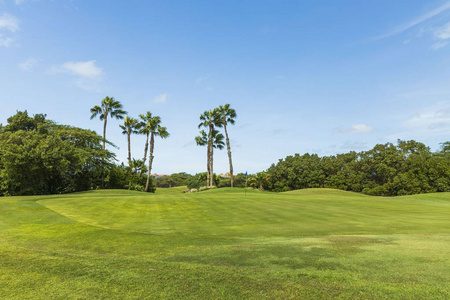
{"type": "Point", "coordinates": [176, 179]}
{"type": "Point", "coordinates": [38, 156]}
{"type": "Point", "coordinates": [406, 168]}
{"type": "Point", "coordinates": [200, 180]}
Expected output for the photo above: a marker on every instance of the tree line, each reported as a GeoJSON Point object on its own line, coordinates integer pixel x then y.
{"type": "Point", "coordinates": [39, 156]}
{"type": "Point", "coordinates": [409, 167]}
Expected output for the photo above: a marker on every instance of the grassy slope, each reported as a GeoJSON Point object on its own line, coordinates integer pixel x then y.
{"type": "Point", "coordinates": [223, 244]}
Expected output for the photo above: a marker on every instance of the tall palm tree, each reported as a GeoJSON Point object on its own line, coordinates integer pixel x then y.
{"type": "Point", "coordinates": [145, 129]}
{"type": "Point", "coordinates": [217, 143]}
{"type": "Point", "coordinates": [228, 114]}
{"type": "Point", "coordinates": [130, 125]}
{"type": "Point", "coordinates": [210, 119]}
{"type": "Point", "coordinates": [155, 129]}
{"type": "Point", "coordinates": [202, 140]}
{"type": "Point", "coordinates": [109, 107]}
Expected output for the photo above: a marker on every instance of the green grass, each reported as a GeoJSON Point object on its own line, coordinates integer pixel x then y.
{"type": "Point", "coordinates": [223, 244]}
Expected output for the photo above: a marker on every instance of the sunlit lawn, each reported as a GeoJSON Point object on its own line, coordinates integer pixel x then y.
{"type": "Point", "coordinates": [314, 243]}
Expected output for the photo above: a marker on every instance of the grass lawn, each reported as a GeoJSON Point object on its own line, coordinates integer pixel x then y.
{"type": "Point", "coordinates": [223, 244]}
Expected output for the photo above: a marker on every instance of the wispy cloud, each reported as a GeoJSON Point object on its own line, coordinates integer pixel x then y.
{"type": "Point", "coordinates": [161, 98]}
{"type": "Point", "coordinates": [416, 21]}
{"type": "Point", "coordinates": [439, 45]}
{"type": "Point", "coordinates": [435, 120]}
{"type": "Point", "coordinates": [357, 128]}
{"type": "Point", "coordinates": [28, 65]}
{"type": "Point", "coordinates": [9, 24]}
{"type": "Point", "coordinates": [87, 69]}
{"type": "Point", "coordinates": [18, 2]}
{"type": "Point", "coordinates": [87, 74]}
{"type": "Point", "coordinates": [442, 35]}
{"type": "Point", "coordinates": [5, 41]}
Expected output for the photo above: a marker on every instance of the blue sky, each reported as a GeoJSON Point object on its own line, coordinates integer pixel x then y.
{"type": "Point", "coordinates": [322, 77]}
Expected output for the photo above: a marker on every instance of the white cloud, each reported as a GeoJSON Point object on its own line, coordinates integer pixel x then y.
{"type": "Point", "coordinates": [18, 2]}
{"type": "Point", "coordinates": [432, 121]}
{"type": "Point", "coordinates": [28, 65]}
{"type": "Point", "coordinates": [442, 34]}
{"type": "Point", "coordinates": [87, 74]}
{"type": "Point", "coordinates": [357, 128]}
{"type": "Point", "coordinates": [360, 128]}
{"type": "Point", "coordinates": [86, 69]}
{"type": "Point", "coordinates": [9, 22]}
{"type": "Point", "coordinates": [5, 41]}
{"type": "Point", "coordinates": [417, 21]}
{"type": "Point", "coordinates": [439, 45]}
{"type": "Point", "coordinates": [160, 98]}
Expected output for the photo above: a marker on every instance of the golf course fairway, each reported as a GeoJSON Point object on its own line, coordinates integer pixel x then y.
{"type": "Point", "coordinates": [225, 244]}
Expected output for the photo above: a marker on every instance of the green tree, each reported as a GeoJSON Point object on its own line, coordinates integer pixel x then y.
{"type": "Point", "coordinates": [137, 166]}
{"type": "Point", "coordinates": [212, 141]}
{"type": "Point", "coordinates": [262, 179]}
{"type": "Point", "coordinates": [210, 119]}
{"type": "Point", "coordinates": [145, 127]}
{"type": "Point", "coordinates": [130, 126]}
{"type": "Point", "coordinates": [22, 121]}
{"type": "Point", "coordinates": [228, 116]}
{"type": "Point", "coordinates": [108, 107]}
{"type": "Point", "coordinates": [155, 129]}
{"type": "Point", "coordinates": [59, 159]}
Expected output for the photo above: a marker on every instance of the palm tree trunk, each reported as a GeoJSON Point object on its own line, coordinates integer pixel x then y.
{"type": "Point", "coordinates": [105, 116]}
{"type": "Point", "coordinates": [150, 161]}
{"type": "Point", "coordinates": [229, 153]}
{"type": "Point", "coordinates": [211, 153]}
{"type": "Point", "coordinates": [104, 148]}
{"type": "Point", "coordinates": [207, 165]}
{"type": "Point", "coordinates": [212, 167]}
{"type": "Point", "coordinates": [145, 149]}
{"type": "Point", "coordinates": [129, 148]}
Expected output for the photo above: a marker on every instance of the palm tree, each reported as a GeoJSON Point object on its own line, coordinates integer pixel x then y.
{"type": "Point", "coordinates": [130, 125]}
{"type": "Point", "coordinates": [109, 107]}
{"type": "Point", "coordinates": [217, 143]}
{"type": "Point", "coordinates": [228, 115]}
{"type": "Point", "coordinates": [261, 179]}
{"type": "Point", "coordinates": [210, 119]}
{"type": "Point", "coordinates": [202, 140]}
{"type": "Point", "coordinates": [137, 166]}
{"type": "Point", "coordinates": [145, 129]}
{"type": "Point", "coordinates": [155, 129]}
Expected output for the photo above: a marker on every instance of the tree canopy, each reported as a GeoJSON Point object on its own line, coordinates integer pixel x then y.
{"type": "Point", "coordinates": [38, 156]}
{"type": "Point", "coordinates": [406, 168]}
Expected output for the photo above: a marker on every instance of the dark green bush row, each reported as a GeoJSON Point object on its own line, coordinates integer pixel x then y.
{"type": "Point", "coordinates": [406, 168]}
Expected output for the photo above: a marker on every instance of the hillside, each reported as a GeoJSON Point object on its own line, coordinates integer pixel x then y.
{"type": "Point", "coordinates": [224, 244]}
